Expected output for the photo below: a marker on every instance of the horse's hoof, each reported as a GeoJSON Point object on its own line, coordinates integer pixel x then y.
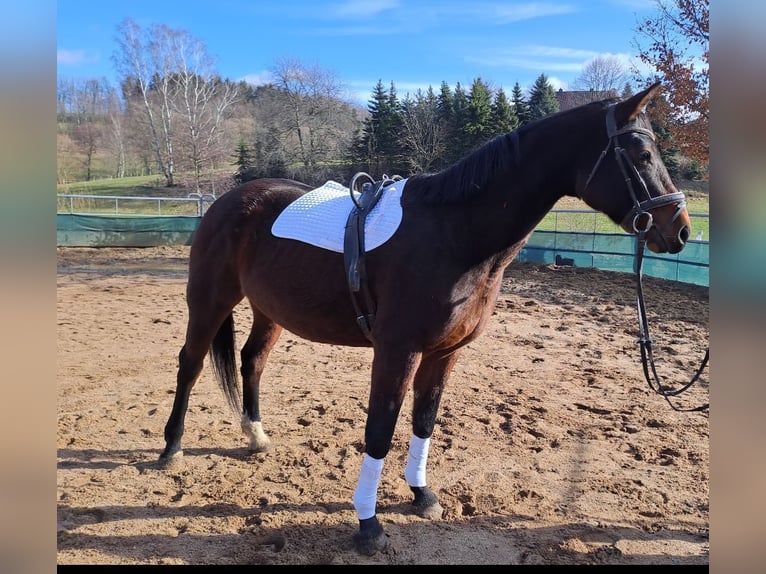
{"type": "Point", "coordinates": [172, 461]}
{"type": "Point", "coordinates": [432, 512]}
{"type": "Point", "coordinates": [426, 504]}
{"type": "Point", "coordinates": [371, 538]}
{"type": "Point", "coordinates": [260, 447]}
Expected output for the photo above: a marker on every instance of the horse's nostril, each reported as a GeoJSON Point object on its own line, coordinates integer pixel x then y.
{"type": "Point", "coordinates": [683, 234]}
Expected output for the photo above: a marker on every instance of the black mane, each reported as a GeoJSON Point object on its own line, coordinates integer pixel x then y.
{"type": "Point", "coordinates": [469, 176]}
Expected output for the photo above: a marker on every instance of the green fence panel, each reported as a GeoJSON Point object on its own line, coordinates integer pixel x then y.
{"type": "Point", "coordinates": [607, 251]}
{"type": "Point", "coordinates": [616, 252]}
{"type": "Point", "coordinates": [121, 231]}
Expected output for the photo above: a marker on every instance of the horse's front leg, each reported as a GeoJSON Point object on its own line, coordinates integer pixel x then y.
{"type": "Point", "coordinates": [428, 386]}
{"type": "Point", "coordinates": [392, 371]}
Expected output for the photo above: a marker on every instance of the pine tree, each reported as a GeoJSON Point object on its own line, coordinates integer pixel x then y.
{"type": "Point", "coordinates": [478, 125]}
{"type": "Point", "coordinates": [446, 103]}
{"type": "Point", "coordinates": [542, 98]}
{"type": "Point", "coordinates": [378, 149]}
{"type": "Point", "coordinates": [520, 106]}
{"type": "Point", "coordinates": [457, 145]}
{"type": "Point", "coordinates": [504, 117]}
{"type": "Point", "coordinates": [244, 159]}
{"type": "Point", "coordinates": [391, 146]}
{"type": "Point", "coordinates": [367, 148]}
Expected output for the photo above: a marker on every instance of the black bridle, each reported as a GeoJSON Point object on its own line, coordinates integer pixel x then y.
{"type": "Point", "coordinates": [641, 212]}
{"type": "Point", "coordinates": [628, 168]}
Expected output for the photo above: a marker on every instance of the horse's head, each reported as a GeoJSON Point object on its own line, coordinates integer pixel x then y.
{"type": "Point", "coordinates": [630, 183]}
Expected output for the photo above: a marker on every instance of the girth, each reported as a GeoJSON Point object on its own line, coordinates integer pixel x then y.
{"type": "Point", "coordinates": [353, 248]}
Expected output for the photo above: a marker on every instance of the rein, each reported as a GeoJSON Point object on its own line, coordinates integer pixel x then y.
{"type": "Point", "coordinates": [645, 341]}
{"type": "Point", "coordinates": [638, 213]}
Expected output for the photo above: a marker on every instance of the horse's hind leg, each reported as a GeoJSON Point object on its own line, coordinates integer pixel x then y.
{"type": "Point", "coordinates": [189, 368]}
{"type": "Point", "coordinates": [206, 317]}
{"type": "Point", "coordinates": [263, 335]}
{"type": "Point", "coordinates": [428, 386]}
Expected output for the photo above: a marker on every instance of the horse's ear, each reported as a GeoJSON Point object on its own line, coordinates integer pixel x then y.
{"type": "Point", "coordinates": [630, 109]}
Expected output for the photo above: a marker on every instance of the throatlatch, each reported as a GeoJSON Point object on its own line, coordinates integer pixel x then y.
{"type": "Point", "coordinates": [353, 247]}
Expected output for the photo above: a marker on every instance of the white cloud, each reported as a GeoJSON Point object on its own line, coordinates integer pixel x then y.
{"type": "Point", "coordinates": [361, 90]}
{"type": "Point", "coordinates": [536, 57]}
{"type": "Point", "coordinates": [258, 78]}
{"type": "Point", "coordinates": [380, 17]}
{"type": "Point", "coordinates": [628, 62]}
{"type": "Point", "coordinates": [553, 52]}
{"type": "Point", "coordinates": [359, 97]}
{"type": "Point", "coordinates": [556, 83]}
{"type": "Point", "coordinates": [636, 4]}
{"type": "Point", "coordinates": [72, 57]}
{"type": "Point", "coordinates": [512, 61]}
{"type": "Point", "coordinates": [553, 59]}
{"type": "Point", "coordinates": [362, 9]}
{"type": "Point", "coordinates": [489, 12]}
{"type": "Point", "coordinates": [505, 13]}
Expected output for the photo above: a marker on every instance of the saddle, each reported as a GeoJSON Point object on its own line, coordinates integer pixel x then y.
{"type": "Point", "coordinates": [353, 247]}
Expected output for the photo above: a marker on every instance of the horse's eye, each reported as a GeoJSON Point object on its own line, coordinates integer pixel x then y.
{"type": "Point", "coordinates": [645, 156]}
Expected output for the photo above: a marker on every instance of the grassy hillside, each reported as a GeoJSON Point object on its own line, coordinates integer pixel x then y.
{"type": "Point", "coordinates": [145, 185]}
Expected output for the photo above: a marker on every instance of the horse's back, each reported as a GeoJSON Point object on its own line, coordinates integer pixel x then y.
{"type": "Point", "coordinates": [262, 195]}
{"type": "Point", "coordinates": [253, 202]}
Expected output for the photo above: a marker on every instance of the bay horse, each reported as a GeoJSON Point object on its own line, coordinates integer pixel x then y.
{"type": "Point", "coordinates": [435, 281]}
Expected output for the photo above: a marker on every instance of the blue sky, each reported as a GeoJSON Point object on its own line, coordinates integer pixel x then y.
{"type": "Point", "coordinates": [414, 43]}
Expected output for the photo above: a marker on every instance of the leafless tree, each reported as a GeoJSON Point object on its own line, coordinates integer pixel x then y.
{"type": "Point", "coordinates": [424, 135]}
{"type": "Point", "coordinates": [82, 106]}
{"type": "Point", "coordinates": [117, 134]}
{"type": "Point", "coordinates": [202, 99]}
{"type": "Point", "coordinates": [183, 99]}
{"type": "Point", "coordinates": [314, 112]}
{"type": "Point", "coordinates": [137, 59]}
{"type": "Point", "coordinates": [601, 74]}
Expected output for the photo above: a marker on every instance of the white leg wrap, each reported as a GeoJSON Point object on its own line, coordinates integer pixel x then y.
{"type": "Point", "coordinates": [415, 472]}
{"type": "Point", "coordinates": [259, 441]}
{"type": "Point", "coordinates": [367, 488]}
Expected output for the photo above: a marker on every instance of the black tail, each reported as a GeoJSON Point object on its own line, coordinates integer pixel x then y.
{"type": "Point", "coordinates": [224, 363]}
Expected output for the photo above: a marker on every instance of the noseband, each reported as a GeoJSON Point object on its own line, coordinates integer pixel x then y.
{"type": "Point", "coordinates": [635, 216]}
{"type": "Point", "coordinates": [628, 168]}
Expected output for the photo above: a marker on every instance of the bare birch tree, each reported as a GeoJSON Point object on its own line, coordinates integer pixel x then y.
{"type": "Point", "coordinates": [116, 115]}
{"type": "Point", "coordinates": [135, 59]}
{"type": "Point", "coordinates": [202, 100]}
{"type": "Point", "coordinates": [184, 101]}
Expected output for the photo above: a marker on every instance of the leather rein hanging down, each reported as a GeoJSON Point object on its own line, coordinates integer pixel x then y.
{"type": "Point", "coordinates": [640, 212]}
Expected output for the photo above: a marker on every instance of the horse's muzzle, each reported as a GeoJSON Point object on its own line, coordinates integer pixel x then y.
{"type": "Point", "coordinates": [666, 223]}
{"type": "Point", "coordinates": [659, 242]}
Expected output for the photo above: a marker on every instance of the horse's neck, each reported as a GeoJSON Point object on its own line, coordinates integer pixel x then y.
{"type": "Point", "coordinates": [521, 195]}
{"type": "Point", "coordinates": [546, 168]}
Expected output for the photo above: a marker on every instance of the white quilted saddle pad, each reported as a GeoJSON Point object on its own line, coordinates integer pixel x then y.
{"type": "Point", "coordinates": [319, 217]}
